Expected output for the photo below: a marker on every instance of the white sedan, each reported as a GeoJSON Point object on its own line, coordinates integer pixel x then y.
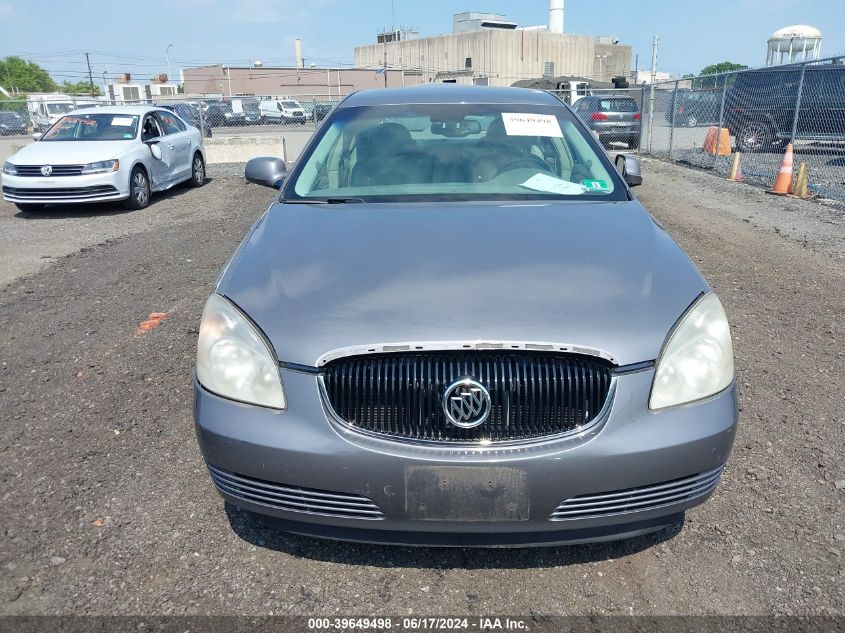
{"type": "Point", "coordinates": [103, 154]}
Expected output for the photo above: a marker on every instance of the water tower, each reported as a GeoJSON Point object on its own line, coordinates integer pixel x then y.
{"type": "Point", "coordinates": [795, 43]}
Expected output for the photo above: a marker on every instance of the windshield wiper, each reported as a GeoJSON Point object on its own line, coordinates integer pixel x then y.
{"type": "Point", "coordinates": [323, 201]}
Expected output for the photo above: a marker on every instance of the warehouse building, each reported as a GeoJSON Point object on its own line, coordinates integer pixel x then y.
{"type": "Point", "coordinates": [219, 80]}
{"type": "Point", "coordinates": [488, 49]}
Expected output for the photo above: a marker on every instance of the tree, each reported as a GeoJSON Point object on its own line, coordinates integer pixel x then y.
{"type": "Point", "coordinates": [19, 74]}
{"type": "Point", "coordinates": [722, 67]}
{"type": "Point", "coordinates": [706, 80]}
{"type": "Point", "coordinates": [79, 88]}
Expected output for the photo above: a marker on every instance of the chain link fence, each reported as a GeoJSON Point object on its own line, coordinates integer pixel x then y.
{"type": "Point", "coordinates": [704, 121]}
{"type": "Point", "coordinates": [232, 115]}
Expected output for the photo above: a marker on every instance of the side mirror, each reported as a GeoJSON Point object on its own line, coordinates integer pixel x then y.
{"type": "Point", "coordinates": [155, 150]}
{"type": "Point", "coordinates": [628, 167]}
{"type": "Point", "coordinates": [266, 170]}
{"type": "Point", "coordinates": [37, 136]}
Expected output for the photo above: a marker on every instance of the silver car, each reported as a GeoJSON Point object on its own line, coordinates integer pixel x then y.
{"type": "Point", "coordinates": [455, 325]}
{"type": "Point", "coordinates": [102, 154]}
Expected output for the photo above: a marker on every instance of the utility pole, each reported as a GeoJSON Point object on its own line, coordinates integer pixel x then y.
{"type": "Point", "coordinates": [90, 75]}
{"type": "Point", "coordinates": [651, 90]}
{"type": "Point", "coordinates": [385, 65]}
{"type": "Point", "coordinates": [167, 56]}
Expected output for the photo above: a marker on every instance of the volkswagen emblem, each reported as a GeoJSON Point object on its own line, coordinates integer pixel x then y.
{"type": "Point", "coordinates": [46, 170]}
{"type": "Point", "coordinates": [466, 403]}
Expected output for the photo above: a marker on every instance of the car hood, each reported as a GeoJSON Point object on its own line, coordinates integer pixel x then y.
{"type": "Point", "coordinates": [316, 278]}
{"type": "Point", "coordinates": [69, 152]}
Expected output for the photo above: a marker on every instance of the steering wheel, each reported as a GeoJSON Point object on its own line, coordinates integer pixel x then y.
{"type": "Point", "coordinates": [525, 161]}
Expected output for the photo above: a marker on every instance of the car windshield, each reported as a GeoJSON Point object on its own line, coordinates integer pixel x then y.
{"type": "Point", "coordinates": [8, 116]}
{"type": "Point", "coordinates": [290, 104]}
{"type": "Point", "coordinates": [93, 127]}
{"type": "Point", "coordinates": [453, 152]}
{"type": "Point", "coordinates": [59, 108]}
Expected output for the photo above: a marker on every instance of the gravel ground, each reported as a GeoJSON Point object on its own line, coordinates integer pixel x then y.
{"type": "Point", "coordinates": [107, 508]}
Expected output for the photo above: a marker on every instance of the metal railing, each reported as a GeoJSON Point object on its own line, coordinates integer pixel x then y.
{"type": "Point", "coordinates": [703, 121]}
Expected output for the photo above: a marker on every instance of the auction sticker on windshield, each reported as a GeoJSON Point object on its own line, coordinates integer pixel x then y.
{"type": "Point", "coordinates": [596, 185]}
{"type": "Point", "coordinates": [528, 124]}
{"type": "Point", "coordinates": [122, 120]}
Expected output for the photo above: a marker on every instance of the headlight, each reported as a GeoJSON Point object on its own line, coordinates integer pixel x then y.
{"type": "Point", "coordinates": [9, 168]}
{"type": "Point", "coordinates": [233, 360]}
{"type": "Point", "coordinates": [101, 167]}
{"type": "Point", "coordinates": [697, 360]}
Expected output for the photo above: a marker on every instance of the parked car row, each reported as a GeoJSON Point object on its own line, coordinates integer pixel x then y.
{"type": "Point", "coordinates": [254, 111]}
{"type": "Point", "coordinates": [18, 118]}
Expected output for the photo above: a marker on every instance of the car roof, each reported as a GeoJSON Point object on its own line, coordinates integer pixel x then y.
{"type": "Point", "coordinates": [611, 96]}
{"type": "Point", "coordinates": [449, 93]}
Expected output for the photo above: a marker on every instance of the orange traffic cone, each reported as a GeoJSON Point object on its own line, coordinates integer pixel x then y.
{"type": "Point", "coordinates": [783, 181]}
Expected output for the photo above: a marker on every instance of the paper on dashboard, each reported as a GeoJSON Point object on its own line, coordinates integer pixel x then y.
{"type": "Point", "coordinates": [550, 184]}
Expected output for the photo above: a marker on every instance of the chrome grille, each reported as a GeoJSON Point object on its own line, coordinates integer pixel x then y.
{"type": "Point", "coordinates": [532, 394]}
{"type": "Point", "coordinates": [638, 499]}
{"type": "Point", "coordinates": [293, 498]}
{"type": "Point", "coordinates": [58, 170]}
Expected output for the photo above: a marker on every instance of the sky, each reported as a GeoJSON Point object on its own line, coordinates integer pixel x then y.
{"type": "Point", "coordinates": [235, 32]}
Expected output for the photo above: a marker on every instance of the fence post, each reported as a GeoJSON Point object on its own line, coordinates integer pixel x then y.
{"type": "Point", "coordinates": [650, 117]}
{"type": "Point", "coordinates": [643, 135]}
{"type": "Point", "coordinates": [721, 121]}
{"type": "Point", "coordinates": [202, 118]}
{"type": "Point", "coordinates": [797, 104]}
{"type": "Point", "coordinates": [674, 110]}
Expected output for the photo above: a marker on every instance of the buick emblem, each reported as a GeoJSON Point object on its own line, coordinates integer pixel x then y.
{"type": "Point", "coordinates": [466, 403]}
{"type": "Point", "coordinates": [46, 170]}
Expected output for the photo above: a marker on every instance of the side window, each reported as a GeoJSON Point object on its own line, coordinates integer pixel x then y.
{"type": "Point", "coordinates": [170, 123]}
{"type": "Point", "coordinates": [151, 129]}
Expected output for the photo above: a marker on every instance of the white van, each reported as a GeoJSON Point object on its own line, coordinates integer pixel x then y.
{"type": "Point", "coordinates": [282, 110]}
{"type": "Point", "coordinates": [46, 109]}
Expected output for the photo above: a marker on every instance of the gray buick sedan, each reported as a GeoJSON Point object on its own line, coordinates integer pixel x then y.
{"type": "Point", "coordinates": [456, 325]}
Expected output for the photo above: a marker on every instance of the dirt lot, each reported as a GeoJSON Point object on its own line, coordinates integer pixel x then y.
{"type": "Point", "coordinates": [106, 505]}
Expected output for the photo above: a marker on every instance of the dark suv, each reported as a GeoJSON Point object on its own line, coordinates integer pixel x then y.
{"type": "Point", "coordinates": [612, 118]}
{"type": "Point", "coordinates": [760, 106]}
{"type": "Point", "coordinates": [694, 108]}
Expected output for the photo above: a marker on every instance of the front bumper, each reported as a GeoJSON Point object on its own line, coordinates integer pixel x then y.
{"type": "Point", "coordinates": [66, 189]}
{"type": "Point", "coordinates": [301, 455]}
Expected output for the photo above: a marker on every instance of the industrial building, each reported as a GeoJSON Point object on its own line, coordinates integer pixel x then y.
{"type": "Point", "coordinates": [488, 49]}
{"type": "Point", "coordinates": [126, 89]}
{"type": "Point", "coordinates": [219, 80]}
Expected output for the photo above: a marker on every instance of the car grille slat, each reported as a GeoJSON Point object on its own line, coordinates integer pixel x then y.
{"type": "Point", "coordinates": [532, 394]}
{"type": "Point", "coordinates": [638, 499]}
{"type": "Point", "coordinates": [58, 170]}
{"type": "Point", "coordinates": [74, 193]}
{"type": "Point", "coordinates": [292, 498]}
